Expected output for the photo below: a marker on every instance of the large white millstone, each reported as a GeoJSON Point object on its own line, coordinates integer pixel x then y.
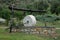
{"type": "Point", "coordinates": [29, 21]}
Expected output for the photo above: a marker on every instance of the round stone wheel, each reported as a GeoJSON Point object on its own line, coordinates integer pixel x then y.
{"type": "Point", "coordinates": [29, 21]}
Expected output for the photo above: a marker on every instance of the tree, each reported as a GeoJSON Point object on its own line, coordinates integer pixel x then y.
{"type": "Point", "coordinates": [55, 7]}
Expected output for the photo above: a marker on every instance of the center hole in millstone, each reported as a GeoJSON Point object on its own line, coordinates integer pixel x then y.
{"type": "Point", "coordinates": [27, 21]}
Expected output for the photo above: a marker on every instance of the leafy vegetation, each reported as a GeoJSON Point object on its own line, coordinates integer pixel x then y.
{"type": "Point", "coordinates": [51, 6]}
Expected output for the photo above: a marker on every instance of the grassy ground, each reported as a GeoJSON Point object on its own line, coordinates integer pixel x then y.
{"type": "Point", "coordinates": [5, 35]}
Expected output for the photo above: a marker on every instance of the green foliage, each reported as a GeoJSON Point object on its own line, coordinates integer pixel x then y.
{"type": "Point", "coordinates": [6, 14]}
{"type": "Point", "coordinates": [19, 15]}
{"type": "Point", "coordinates": [46, 18]}
{"type": "Point", "coordinates": [43, 5]}
{"type": "Point", "coordinates": [7, 1]}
